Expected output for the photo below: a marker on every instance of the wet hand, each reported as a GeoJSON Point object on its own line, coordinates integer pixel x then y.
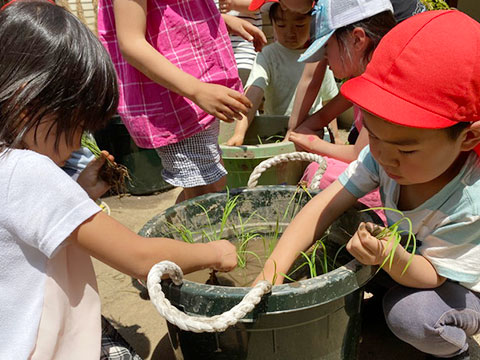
{"type": "Point", "coordinates": [226, 255]}
{"type": "Point", "coordinates": [223, 103]}
{"type": "Point", "coordinates": [89, 178]}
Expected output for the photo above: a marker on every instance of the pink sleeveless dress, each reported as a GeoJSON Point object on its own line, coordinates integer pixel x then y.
{"type": "Point", "coordinates": [192, 35]}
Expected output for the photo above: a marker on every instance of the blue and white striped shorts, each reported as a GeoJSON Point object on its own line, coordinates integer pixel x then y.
{"type": "Point", "coordinates": [194, 161]}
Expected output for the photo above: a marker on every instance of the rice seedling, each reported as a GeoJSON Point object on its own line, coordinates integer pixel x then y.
{"type": "Point", "coordinates": [112, 173]}
{"type": "Point", "coordinates": [230, 205]}
{"type": "Point", "coordinates": [273, 139]}
{"type": "Point", "coordinates": [186, 234]}
{"type": "Point", "coordinates": [393, 234]}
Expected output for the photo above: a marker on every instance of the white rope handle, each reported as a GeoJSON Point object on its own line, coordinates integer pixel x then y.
{"type": "Point", "coordinates": [293, 156]}
{"type": "Point", "coordinates": [198, 324]}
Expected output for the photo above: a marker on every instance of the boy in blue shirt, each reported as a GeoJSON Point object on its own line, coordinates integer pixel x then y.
{"type": "Point", "coordinates": [420, 97]}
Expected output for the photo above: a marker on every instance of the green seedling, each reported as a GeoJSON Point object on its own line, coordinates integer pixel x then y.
{"type": "Point", "coordinates": [273, 139]}
{"type": "Point", "coordinates": [243, 238]}
{"type": "Point", "coordinates": [326, 262]}
{"type": "Point", "coordinates": [186, 234]}
{"type": "Point", "coordinates": [230, 205]}
{"type": "Point", "coordinates": [394, 237]}
{"type": "Point", "coordinates": [112, 173]}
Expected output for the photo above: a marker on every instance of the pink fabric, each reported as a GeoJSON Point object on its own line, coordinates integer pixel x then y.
{"type": "Point", "coordinates": [357, 118]}
{"type": "Point", "coordinates": [70, 326]}
{"type": "Point", "coordinates": [192, 35]}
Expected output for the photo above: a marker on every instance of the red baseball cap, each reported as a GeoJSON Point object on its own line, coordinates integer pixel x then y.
{"type": "Point", "coordinates": [257, 4]}
{"type": "Point", "coordinates": [425, 73]}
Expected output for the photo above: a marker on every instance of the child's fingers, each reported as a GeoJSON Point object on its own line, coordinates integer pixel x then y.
{"type": "Point", "coordinates": [229, 113]}
{"type": "Point", "coordinates": [107, 155]}
{"type": "Point", "coordinates": [358, 246]}
{"type": "Point", "coordinates": [241, 99]}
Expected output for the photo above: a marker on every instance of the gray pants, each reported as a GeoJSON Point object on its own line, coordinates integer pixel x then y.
{"type": "Point", "coordinates": [435, 321]}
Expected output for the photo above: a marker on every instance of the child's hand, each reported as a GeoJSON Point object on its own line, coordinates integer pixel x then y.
{"type": "Point", "coordinates": [305, 141]}
{"type": "Point", "coordinates": [89, 178]}
{"type": "Point", "coordinates": [225, 6]}
{"type": "Point", "coordinates": [246, 30]}
{"type": "Point", "coordinates": [235, 140]}
{"type": "Point", "coordinates": [365, 247]}
{"type": "Point", "coordinates": [226, 255]}
{"type": "Point", "coordinates": [223, 103]}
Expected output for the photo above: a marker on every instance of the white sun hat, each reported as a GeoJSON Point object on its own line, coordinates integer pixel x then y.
{"type": "Point", "coordinates": [331, 15]}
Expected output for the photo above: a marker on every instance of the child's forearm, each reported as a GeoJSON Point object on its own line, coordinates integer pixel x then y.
{"type": "Point", "coordinates": [307, 91]}
{"type": "Point", "coordinates": [345, 153]}
{"type": "Point", "coordinates": [306, 227]}
{"type": "Point", "coordinates": [325, 115]}
{"type": "Point", "coordinates": [419, 274]}
{"type": "Point", "coordinates": [112, 243]}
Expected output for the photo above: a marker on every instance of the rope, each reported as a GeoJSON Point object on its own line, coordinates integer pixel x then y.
{"type": "Point", "coordinates": [196, 323]}
{"type": "Point", "coordinates": [294, 156]}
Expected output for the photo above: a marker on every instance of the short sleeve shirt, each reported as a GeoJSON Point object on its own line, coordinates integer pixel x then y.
{"type": "Point", "coordinates": [447, 224]}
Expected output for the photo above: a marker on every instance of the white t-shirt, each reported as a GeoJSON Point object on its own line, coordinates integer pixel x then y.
{"type": "Point", "coordinates": [447, 226]}
{"type": "Point", "coordinates": [277, 71]}
{"type": "Point", "coordinates": [41, 206]}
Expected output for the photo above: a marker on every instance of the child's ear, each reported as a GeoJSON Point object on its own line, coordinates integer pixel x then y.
{"type": "Point", "coordinates": [472, 137]}
{"type": "Point", "coordinates": [360, 39]}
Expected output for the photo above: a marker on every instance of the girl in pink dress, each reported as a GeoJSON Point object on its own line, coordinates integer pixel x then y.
{"type": "Point", "coordinates": [177, 78]}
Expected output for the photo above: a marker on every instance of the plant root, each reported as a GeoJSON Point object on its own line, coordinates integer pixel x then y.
{"type": "Point", "coordinates": [116, 176]}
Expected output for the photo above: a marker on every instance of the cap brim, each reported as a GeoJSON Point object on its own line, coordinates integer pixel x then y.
{"type": "Point", "coordinates": [379, 102]}
{"type": "Point", "coordinates": [316, 51]}
{"type": "Point", "coordinates": [264, 4]}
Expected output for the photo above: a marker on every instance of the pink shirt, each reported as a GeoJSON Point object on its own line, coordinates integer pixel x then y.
{"type": "Point", "coordinates": [192, 35]}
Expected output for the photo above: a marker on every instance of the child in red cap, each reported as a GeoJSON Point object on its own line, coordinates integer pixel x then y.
{"type": "Point", "coordinates": [420, 97]}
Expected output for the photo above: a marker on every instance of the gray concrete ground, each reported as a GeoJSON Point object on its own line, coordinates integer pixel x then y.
{"type": "Point", "coordinates": [141, 325]}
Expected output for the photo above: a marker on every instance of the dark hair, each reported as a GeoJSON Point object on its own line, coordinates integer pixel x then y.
{"type": "Point", "coordinates": [272, 12]}
{"type": "Point", "coordinates": [453, 132]}
{"type": "Point", "coordinates": [51, 67]}
{"type": "Point", "coordinates": [276, 11]}
{"type": "Point", "coordinates": [375, 27]}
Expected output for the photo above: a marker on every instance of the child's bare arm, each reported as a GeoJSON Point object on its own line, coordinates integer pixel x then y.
{"type": "Point", "coordinates": [237, 5]}
{"type": "Point", "coordinates": [311, 142]}
{"type": "Point", "coordinates": [371, 251]}
{"type": "Point", "coordinates": [307, 90]}
{"type": "Point", "coordinates": [306, 227]}
{"type": "Point", "coordinates": [130, 20]}
{"type": "Point", "coordinates": [243, 28]}
{"type": "Point", "coordinates": [255, 95]}
{"type": "Point", "coordinates": [325, 115]}
{"type": "Point", "coordinates": [112, 243]}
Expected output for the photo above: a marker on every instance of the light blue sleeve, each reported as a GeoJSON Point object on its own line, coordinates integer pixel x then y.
{"type": "Point", "coordinates": [453, 247]}
{"type": "Point", "coordinates": [362, 175]}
